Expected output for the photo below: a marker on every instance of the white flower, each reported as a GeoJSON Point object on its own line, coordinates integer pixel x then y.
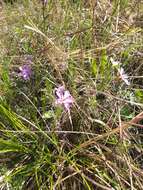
{"type": "Point", "coordinates": [114, 63]}
{"type": "Point", "coordinates": [124, 76]}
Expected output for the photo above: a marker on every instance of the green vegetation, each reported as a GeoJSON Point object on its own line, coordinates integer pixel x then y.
{"type": "Point", "coordinates": [94, 50]}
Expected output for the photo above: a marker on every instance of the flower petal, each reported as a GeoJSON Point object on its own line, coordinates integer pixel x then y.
{"type": "Point", "coordinates": [25, 72]}
{"type": "Point", "coordinates": [60, 91]}
{"type": "Point", "coordinates": [63, 97]}
{"type": "Point", "coordinates": [114, 63]}
{"type": "Point", "coordinates": [123, 76]}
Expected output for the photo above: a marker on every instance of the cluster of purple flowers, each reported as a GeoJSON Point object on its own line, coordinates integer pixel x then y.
{"type": "Point", "coordinates": [25, 72]}
{"type": "Point", "coordinates": [63, 97]}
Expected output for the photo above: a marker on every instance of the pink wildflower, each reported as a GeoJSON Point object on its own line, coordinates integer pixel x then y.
{"type": "Point", "coordinates": [63, 97]}
{"type": "Point", "coordinates": [124, 76]}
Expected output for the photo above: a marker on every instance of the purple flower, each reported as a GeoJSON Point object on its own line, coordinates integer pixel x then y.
{"type": "Point", "coordinates": [63, 97]}
{"type": "Point", "coordinates": [25, 72]}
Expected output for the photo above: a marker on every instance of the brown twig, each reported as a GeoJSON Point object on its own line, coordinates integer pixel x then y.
{"type": "Point", "coordinates": [135, 120]}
